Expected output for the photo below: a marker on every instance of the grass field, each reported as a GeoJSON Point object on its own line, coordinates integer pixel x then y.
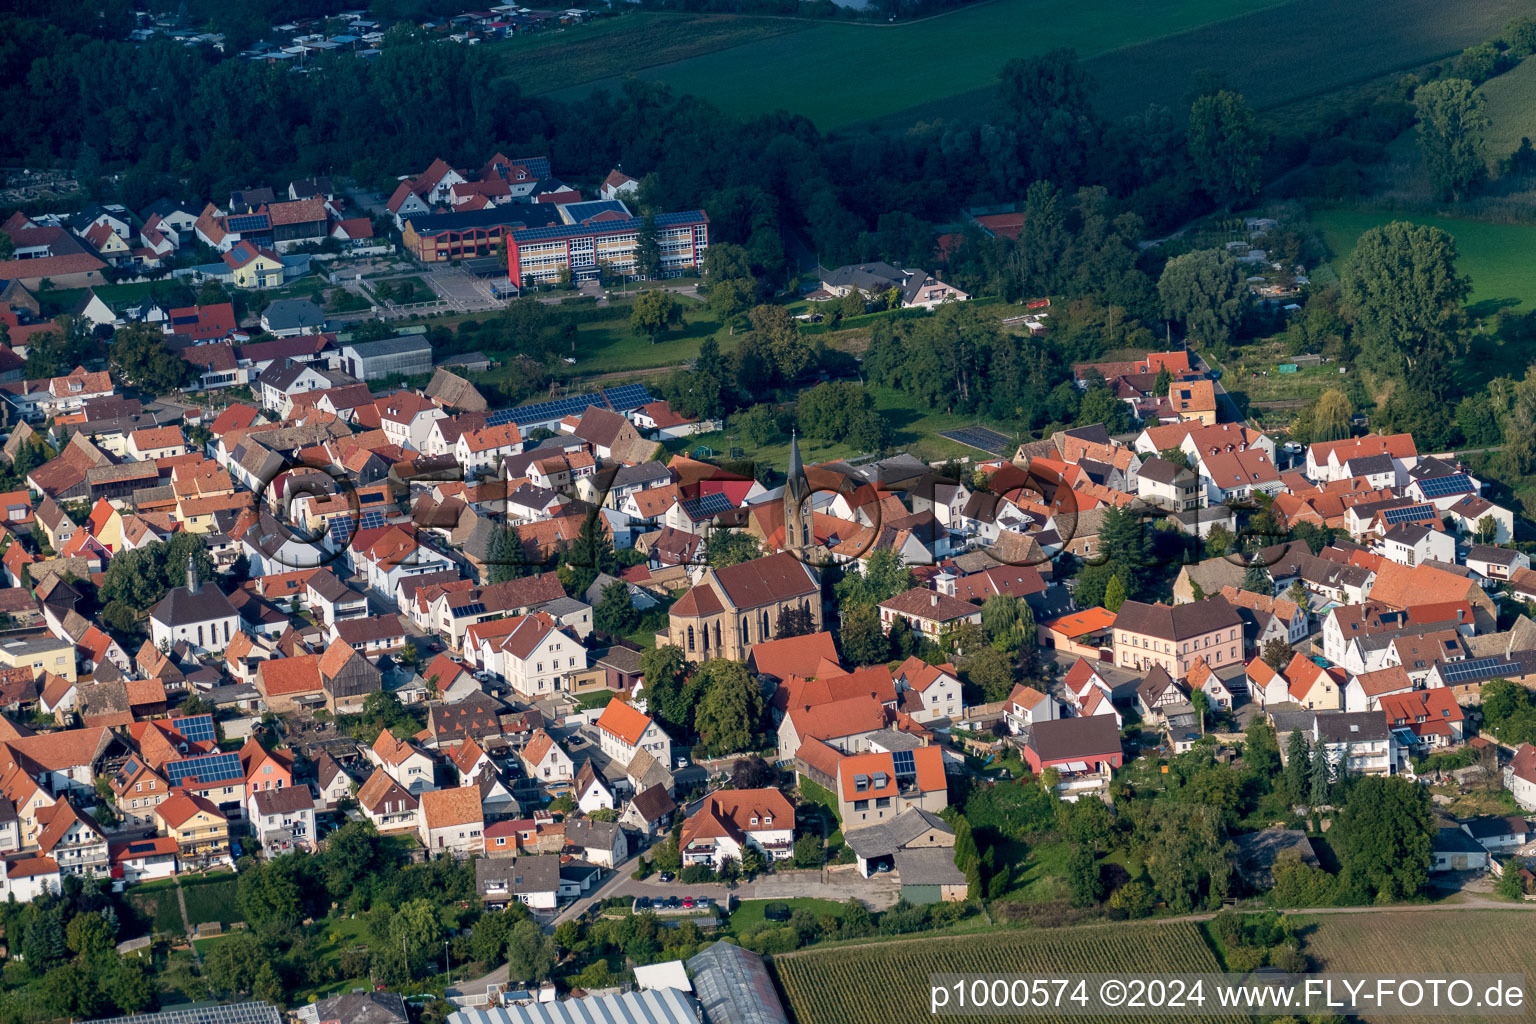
{"type": "Point", "coordinates": [1495, 256]}
{"type": "Point", "coordinates": [617, 46]}
{"type": "Point", "coordinates": [1424, 945]}
{"type": "Point", "coordinates": [840, 73]}
{"type": "Point", "coordinates": [1511, 108]}
{"type": "Point", "coordinates": [884, 982]}
{"type": "Point", "coordinates": [211, 900]}
{"type": "Point", "coordinates": [749, 914]}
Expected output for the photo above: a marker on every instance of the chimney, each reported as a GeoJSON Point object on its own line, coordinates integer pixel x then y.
{"type": "Point", "coordinates": [934, 600]}
{"type": "Point", "coordinates": [194, 585]}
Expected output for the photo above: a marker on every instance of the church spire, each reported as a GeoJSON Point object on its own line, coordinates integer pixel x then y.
{"type": "Point", "coordinates": [797, 531]}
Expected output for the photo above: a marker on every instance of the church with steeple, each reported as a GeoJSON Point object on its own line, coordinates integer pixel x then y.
{"type": "Point", "coordinates": [198, 615]}
{"type": "Point", "coordinates": [799, 539]}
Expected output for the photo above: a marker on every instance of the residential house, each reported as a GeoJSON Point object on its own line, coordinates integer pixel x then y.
{"type": "Point", "coordinates": [729, 821]}
{"type": "Point", "coordinates": [532, 881]}
{"type": "Point", "coordinates": [1084, 751]}
{"type": "Point", "coordinates": [881, 785]}
{"type": "Point", "coordinates": [387, 804]}
{"type": "Point", "coordinates": [283, 819]}
{"type": "Point", "coordinates": [404, 762]}
{"type": "Point", "coordinates": [546, 761]}
{"type": "Point", "coordinates": [623, 731]}
{"type": "Point", "coordinates": [452, 821]}
{"type": "Point", "coordinates": [200, 829]}
{"type": "Point", "coordinates": [928, 612]}
{"type": "Point", "coordinates": [1173, 636]}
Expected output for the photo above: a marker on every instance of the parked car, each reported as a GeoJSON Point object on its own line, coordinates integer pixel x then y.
{"type": "Point", "coordinates": [665, 876]}
{"type": "Point", "coordinates": [883, 866]}
{"type": "Point", "coordinates": [642, 902]}
{"type": "Point", "coordinates": [704, 901]}
{"type": "Point", "coordinates": [683, 762]}
{"type": "Point", "coordinates": [688, 902]}
{"type": "Point", "coordinates": [673, 903]}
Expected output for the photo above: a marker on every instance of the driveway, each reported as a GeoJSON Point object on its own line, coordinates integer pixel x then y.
{"type": "Point", "coordinates": [839, 883]}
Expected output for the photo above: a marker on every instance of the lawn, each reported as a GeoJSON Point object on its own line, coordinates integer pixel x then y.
{"type": "Point", "coordinates": [211, 899]}
{"type": "Point", "coordinates": [839, 73]}
{"type": "Point", "coordinates": [1041, 876]}
{"type": "Point", "coordinates": [1512, 108]}
{"type": "Point", "coordinates": [749, 915]}
{"type": "Point", "coordinates": [1493, 255]}
{"type": "Point", "coordinates": [1425, 945]}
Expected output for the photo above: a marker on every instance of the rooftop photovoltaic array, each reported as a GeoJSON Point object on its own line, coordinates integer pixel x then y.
{"type": "Point", "coordinates": [341, 531]}
{"type": "Point", "coordinates": [1408, 514]}
{"type": "Point", "coordinates": [1477, 668]}
{"type": "Point", "coordinates": [210, 768]}
{"type": "Point", "coordinates": [197, 728]}
{"type": "Point", "coordinates": [628, 396]}
{"type": "Point", "coordinates": [477, 608]}
{"type": "Point", "coordinates": [905, 762]}
{"type": "Point", "coordinates": [248, 222]}
{"type": "Point", "coordinates": [218, 1013]}
{"type": "Point", "coordinates": [1444, 486]}
{"type": "Point", "coordinates": [372, 519]}
{"type": "Point", "coordinates": [707, 506]}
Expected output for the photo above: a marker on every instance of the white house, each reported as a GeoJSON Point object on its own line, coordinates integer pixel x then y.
{"type": "Point", "coordinates": [1026, 706]}
{"type": "Point", "coordinates": [623, 730]}
{"type": "Point", "coordinates": [480, 451]}
{"type": "Point", "coordinates": [928, 692]}
{"type": "Point", "coordinates": [545, 761]}
{"type": "Point", "coordinates": [531, 652]}
{"type": "Point", "coordinates": [404, 762]}
{"type": "Point", "coordinates": [452, 821]}
{"type": "Point", "coordinates": [729, 821]}
{"type": "Point", "coordinates": [283, 819]}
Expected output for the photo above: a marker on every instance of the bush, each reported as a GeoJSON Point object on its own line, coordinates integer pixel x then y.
{"type": "Point", "coordinates": [694, 874]}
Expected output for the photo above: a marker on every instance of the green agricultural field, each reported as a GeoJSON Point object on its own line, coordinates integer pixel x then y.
{"type": "Point", "coordinates": [1425, 944]}
{"type": "Point", "coordinates": [1495, 256]}
{"type": "Point", "coordinates": [616, 46]}
{"type": "Point", "coordinates": [882, 982]}
{"type": "Point", "coordinates": [840, 73]}
{"type": "Point", "coordinates": [1511, 108]}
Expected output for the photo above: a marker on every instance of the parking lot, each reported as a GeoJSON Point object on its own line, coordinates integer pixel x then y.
{"type": "Point", "coordinates": [461, 290]}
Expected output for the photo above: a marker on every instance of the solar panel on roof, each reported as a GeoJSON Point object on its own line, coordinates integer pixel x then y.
{"type": "Point", "coordinates": [197, 728]}
{"type": "Point", "coordinates": [341, 531]}
{"type": "Point", "coordinates": [905, 762]}
{"type": "Point", "coordinates": [1443, 486]}
{"type": "Point", "coordinates": [209, 768]}
{"type": "Point", "coordinates": [707, 506]}
{"type": "Point", "coordinates": [1461, 671]}
{"type": "Point", "coordinates": [1408, 513]}
{"type": "Point", "coordinates": [372, 519]}
{"type": "Point", "coordinates": [470, 609]}
{"type": "Point", "coordinates": [247, 223]}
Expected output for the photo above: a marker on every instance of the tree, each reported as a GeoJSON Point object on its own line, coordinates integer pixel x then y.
{"type": "Point", "coordinates": [654, 311]}
{"type": "Point", "coordinates": [1318, 777]}
{"type": "Point", "coordinates": [776, 338]}
{"type": "Point", "coordinates": [1453, 127]}
{"type": "Point", "coordinates": [1043, 241]}
{"type": "Point", "coordinates": [268, 986]}
{"type": "Point", "coordinates": [796, 621]}
{"type": "Point", "coordinates": [730, 298]}
{"type": "Point", "coordinates": [863, 639]}
{"type": "Point", "coordinates": [1206, 291]}
{"type": "Point", "coordinates": [416, 930]}
{"type": "Point", "coordinates": [1083, 880]}
{"type": "Point", "coordinates": [842, 411]}
{"type": "Point", "coordinates": [1114, 594]}
{"type": "Point", "coordinates": [1298, 760]}
{"type": "Point", "coordinates": [1201, 702]}
{"type": "Point", "coordinates": [1225, 145]}
{"type": "Point", "coordinates": [1403, 290]}
{"type": "Point", "coordinates": [504, 554]}
{"type": "Point", "coordinates": [1256, 580]}
{"type": "Point", "coordinates": [729, 547]}
{"type": "Point", "coordinates": [1298, 594]}
{"type": "Point", "coordinates": [615, 613]}
{"type": "Point", "coordinates": [1276, 653]}
{"type": "Point", "coordinates": [1133, 900]}
{"type": "Point", "coordinates": [231, 965]}
{"type": "Point", "coordinates": [589, 554]}
{"type": "Point", "coordinates": [139, 357]}
{"type": "Point", "coordinates": [530, 953]}
{"type": "Point", "coordinates": [1384, 836]}
{"type": "Point", "coordinates": [990, 671]}
{"type": "Point", "coordinates": [1261, 751]}
{"type": "Point", "coordinates": [669, 695]}
{"type": "Point", "coordinates": [852, 304]}
{"type": "Point", "coordinates": [809, 852]}
{"type": "Point", "coordinates": [648, 249]}
{"type": "Point", "coordinates": [1177, 456]}
{"type": "Point", "coordinates": [883, 576]}
{"type": "Point", "coordinates": [730, 708]}
{"type": "Point", "coordinates": [1331, 416]}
